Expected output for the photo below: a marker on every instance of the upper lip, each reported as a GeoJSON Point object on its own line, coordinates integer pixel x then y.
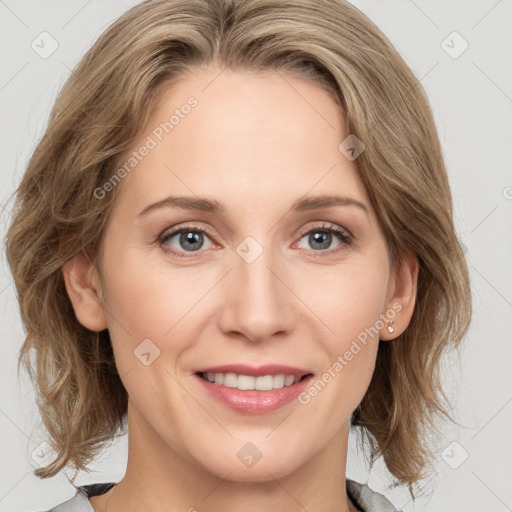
{"type": "Point", "coordinates": [255, 371]}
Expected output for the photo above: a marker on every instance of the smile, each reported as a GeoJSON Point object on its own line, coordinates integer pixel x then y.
{"type": "Point", "coordinates": [248, 382]}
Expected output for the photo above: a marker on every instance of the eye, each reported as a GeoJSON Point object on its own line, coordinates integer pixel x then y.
{"type": "Point", "coordinates": [185, 239]}
{"type": "Point", "coordinates": [321, 238]}
{"type": "Point", "coordinates": [191, 239]}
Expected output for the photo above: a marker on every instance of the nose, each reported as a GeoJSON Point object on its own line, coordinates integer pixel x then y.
{"type": "Point", "coordinates": [259, 302]}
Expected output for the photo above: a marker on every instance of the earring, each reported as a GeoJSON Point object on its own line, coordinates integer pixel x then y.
{"type": "Point", "coordinates": [390, 327]}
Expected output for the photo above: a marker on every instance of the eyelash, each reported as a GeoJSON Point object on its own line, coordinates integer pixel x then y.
{"type": "Point", "coordinates": [342, 234]}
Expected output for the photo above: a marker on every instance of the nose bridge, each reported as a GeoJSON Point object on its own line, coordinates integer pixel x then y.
{"type": "Point", "coordinates": [260, 302]}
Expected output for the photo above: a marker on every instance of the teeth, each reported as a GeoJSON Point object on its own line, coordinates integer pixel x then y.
{"type": "Point", "coordinates": [245, 382]}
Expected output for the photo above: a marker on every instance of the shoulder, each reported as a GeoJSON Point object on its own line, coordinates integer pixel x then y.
{"type": "Point", "coordinates": [80, 501]}
{"type": "Point", "coordinates": [367, 499]}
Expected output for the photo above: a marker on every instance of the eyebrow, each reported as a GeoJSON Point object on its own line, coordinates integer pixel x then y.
{"type": "Point", "coordinates": [212, 206]}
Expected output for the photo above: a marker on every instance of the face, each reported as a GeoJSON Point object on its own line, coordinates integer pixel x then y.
{"type": "Point", "coordinates": [267, 277]}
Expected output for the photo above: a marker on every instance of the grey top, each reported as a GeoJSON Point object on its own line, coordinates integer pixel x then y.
{"type": "Point", "coordinates": [361, 495]}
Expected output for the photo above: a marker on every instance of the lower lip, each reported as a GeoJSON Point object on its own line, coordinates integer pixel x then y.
{"type": "Point", "coordinates": [253, 401]}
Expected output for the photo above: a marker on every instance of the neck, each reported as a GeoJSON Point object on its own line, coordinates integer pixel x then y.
{"type": "Point", "coordinates": [160, 478]}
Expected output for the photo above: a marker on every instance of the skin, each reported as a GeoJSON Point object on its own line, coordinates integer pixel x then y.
{"type": "Point", "coordinates": [256, 143]}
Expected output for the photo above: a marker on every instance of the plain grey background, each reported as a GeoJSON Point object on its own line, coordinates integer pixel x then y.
{"type": "Point", "coordinates": [461, 51]}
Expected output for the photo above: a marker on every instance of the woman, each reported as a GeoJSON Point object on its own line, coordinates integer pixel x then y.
{"type": "Point", "coordinates": [236, 239]}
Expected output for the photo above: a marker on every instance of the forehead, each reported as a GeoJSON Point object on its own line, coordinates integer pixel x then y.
{"type": "Point", "coordinates": [247, 138]}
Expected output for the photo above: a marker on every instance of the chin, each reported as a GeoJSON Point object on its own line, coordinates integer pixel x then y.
{"type": "Point", "coordinates": [264, 469]}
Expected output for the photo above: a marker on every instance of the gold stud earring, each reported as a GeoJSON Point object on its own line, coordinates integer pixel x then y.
{"type": "Point", "coordinates": [390, 327]}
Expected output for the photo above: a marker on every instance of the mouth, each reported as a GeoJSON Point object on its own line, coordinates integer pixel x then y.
{"type": "Point", "coordinates": [249, 394]}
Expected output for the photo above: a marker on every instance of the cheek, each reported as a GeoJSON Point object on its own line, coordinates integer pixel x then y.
{"type": "Point", "coordinates": [351, 298]}
{"type": "Point", "coordinates": [350, 302]}
{"type": "Point", "coordinates": [152, 301]}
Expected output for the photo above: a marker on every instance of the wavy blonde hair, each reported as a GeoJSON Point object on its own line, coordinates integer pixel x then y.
{"type": "Point", "coordinates": [101, 110]}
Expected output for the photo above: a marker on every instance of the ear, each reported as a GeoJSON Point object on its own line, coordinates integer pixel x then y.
{"type": "Point", "coordinates": [84, 290]}
{"type": "Point", "coordinates": [401, 297]}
